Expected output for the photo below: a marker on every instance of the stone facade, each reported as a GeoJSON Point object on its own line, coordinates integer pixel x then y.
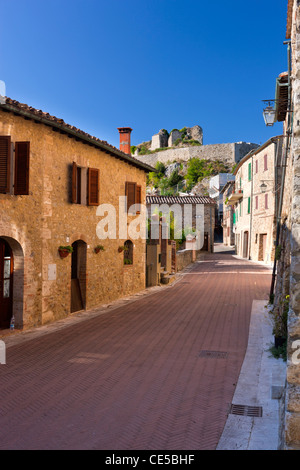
{"type": "Point", "coordinates": [35, 225]}
{"type": "Point", "coordinates": [254, 207]}
{"type": "Point", "coordinates": [199, 205]}
{"type": "Point", "coordinates": [159, 140]}
{"type": "Point", "coordinates": [229, 154]}
{"type": "Point", "coordinates": [287, 288]}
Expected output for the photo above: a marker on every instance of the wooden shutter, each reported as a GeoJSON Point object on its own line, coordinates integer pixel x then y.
{"type": "Point", "coordinates": [93, 187]}
{"type": "Point", "coordinates": [22, 156]}
{"type": "Point", "coordinates": [5, 151]}
{"type": "Point", "coordinates": [139, 194]}
{"type": "Point", "coordinates": [139, 197]}
{"type": "Point", "coordinates": [131, 192]}
{"type": "Point", "coordinates": [74, 183]}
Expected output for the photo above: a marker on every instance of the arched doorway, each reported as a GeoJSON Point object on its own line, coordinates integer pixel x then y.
{"type": "Point", "coordinates": [11, 282]}
{"type": "Point", "coordinates": [6, 284]}
{"type": "Point", "coordinates": [78, 276]}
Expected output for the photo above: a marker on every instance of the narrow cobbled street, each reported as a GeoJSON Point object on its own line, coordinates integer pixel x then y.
{"type": "Point", "coordinates": [157, 373]}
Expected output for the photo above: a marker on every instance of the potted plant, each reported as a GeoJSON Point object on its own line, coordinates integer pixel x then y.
{"type": "Point", "coordinates": [121, 248]}
{"type": "Point", "coordinates": [64, 251]}
{"type": "Point", "coordinates": [99, 248]}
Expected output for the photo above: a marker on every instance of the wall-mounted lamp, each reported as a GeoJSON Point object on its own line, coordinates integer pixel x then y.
{"type": "Point", "coordinates": [263, 187]}
{"type": "Point", "coordinates": [269, 113]}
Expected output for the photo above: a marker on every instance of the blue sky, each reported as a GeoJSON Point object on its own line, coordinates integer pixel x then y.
{"type": "Point", "coordinates": [147, 64]}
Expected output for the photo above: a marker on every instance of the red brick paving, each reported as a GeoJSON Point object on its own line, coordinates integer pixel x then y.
{"type": "Point", "coordinates": [133, 378]}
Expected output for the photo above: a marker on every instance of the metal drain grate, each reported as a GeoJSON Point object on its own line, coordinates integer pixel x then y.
{"type": "Point", "coordinates": [245, 410]}
{"type": "Point", "coordinates": [213, 354]}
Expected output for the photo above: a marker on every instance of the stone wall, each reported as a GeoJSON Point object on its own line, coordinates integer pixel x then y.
{"type": "Point", "coordinates": [184, 258]}
{"type": "Point", "coordinates": [288, 268]}
{"type": "Point", "coordinates": [229, 154]}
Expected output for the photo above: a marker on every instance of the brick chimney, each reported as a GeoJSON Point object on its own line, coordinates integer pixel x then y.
{"type": "Point", "coordinates": [125, 139]}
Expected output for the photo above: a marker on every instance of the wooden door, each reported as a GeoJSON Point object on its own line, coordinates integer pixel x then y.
{"type": "Point", "coordinates": [78, 276]}
{"type": "Point", "coordinates": [6, 284]}
{"type": "Point", "coordinates": [245, 250]}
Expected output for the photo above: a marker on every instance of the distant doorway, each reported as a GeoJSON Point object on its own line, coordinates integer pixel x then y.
{"type": "Point", "coordinates": [245, 246]}
{"type": "Point", "coordinates": [78, 276]}
{"type": "Point", "coordinates": [262, 247]}
{"type": "Point", "coordinates": [6, 284]}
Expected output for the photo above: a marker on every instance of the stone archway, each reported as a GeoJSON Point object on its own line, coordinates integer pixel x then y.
{"type": "Point", "coordinates": [78, 276]}
{"type": "Point", "coordinates": [17, 279]}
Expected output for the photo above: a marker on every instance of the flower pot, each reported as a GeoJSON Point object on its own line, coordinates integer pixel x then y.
{"type": "Point", "coordinates": [63, 253]}
{"type": "Point", "coordinates": [120, 250]}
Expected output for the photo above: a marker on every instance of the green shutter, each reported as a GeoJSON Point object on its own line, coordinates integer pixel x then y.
{"type": "Point", "coordinates": [249, 205]}
{"type": "Point", "coordinates": [249, 172]}
{"type": "Point", "coordinates": [234, 218]}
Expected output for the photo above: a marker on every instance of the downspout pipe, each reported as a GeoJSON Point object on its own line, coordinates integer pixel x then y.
{"type": "Point", "coordinates": [283, 164]}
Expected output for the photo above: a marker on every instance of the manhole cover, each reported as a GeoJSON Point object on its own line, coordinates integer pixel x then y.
{"type": "Point", "coordinates": [246, 410]}
{"type": "Point", "coordinates": [213, 354]}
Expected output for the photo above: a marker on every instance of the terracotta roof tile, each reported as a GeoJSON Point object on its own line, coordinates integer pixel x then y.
{"type": "Point", "coordinates": [16, 106]}
{"type": "Point", "coordinates": [179, 200]}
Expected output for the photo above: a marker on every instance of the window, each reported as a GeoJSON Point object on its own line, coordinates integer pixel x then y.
{"type": "Point", "coordinates": [133, 194]}
{"type": "Point", "coordinates": [256, 166]}
{"type": "Point", "coordinates": [5, 157]}
{"type": "Point", "coordinates": [265, 162]}
{"type": "Point", "coordinates": [128, 253]}
{"type": "Point", "coordinates": [93, 187]}
{"type": "Point", "coordinates": [249, 205]}
{"type": "Point", "coordinates": [249, 172]}
{"type": "Point", "coordinates": [241, 208]}
{"type": "Point", "coordinates": [85, 185]}
{"type": "Point", "coordinates": [21, 164]}
{"type": "Point", "coordinates": [256, 202]}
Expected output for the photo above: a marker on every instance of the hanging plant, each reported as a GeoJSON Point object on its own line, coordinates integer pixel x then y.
{"type": "Point", "coordinates": [64, 251]}
{"type": "Point", "coordinates": [99, 248]}
{"type": "Point", "coordinates": [121, 248]}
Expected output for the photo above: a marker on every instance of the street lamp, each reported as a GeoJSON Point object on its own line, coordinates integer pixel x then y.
{"type": "Point", "coordinates": [269, 114]}
{"type": "Point", "coordinates": [263, 187]}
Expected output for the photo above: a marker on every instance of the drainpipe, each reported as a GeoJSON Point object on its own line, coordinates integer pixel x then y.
{"type": "Point", "coordinates": [251, 209]}
{"type": "Point", "coordinates": [283, 164]}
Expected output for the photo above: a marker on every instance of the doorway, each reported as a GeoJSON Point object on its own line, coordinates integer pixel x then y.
{"type": "Point", "coordinates": [78, 276]}
{"type": "Point", "coordinates": [6, 284]}
{"type": "Point", "coordinates": [245, 247]}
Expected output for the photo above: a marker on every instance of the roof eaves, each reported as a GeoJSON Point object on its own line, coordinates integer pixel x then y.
{"type": "Point", "coordinates": [56, 123]}
{"type": "Point", "coordinates": [272, 140]}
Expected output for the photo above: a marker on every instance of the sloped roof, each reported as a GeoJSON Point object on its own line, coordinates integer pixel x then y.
{"type": "Point", "coordinates": [59, 125]}
{"type": "Point", "coordinates": [179, 200]}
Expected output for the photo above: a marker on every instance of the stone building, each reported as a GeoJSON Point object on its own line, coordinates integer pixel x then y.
{"type": "Point", "coordinates": [255, 201]}
{"type": "Point", "coordinates": [286, 270]}
{"type": "Point", "coordinates": [53, 177]}
{"type": "Point", "coordinates": [200, 211]}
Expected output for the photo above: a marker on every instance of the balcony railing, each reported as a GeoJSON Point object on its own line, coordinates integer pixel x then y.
{"type": "Point", "coordinates": [235, 196]}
